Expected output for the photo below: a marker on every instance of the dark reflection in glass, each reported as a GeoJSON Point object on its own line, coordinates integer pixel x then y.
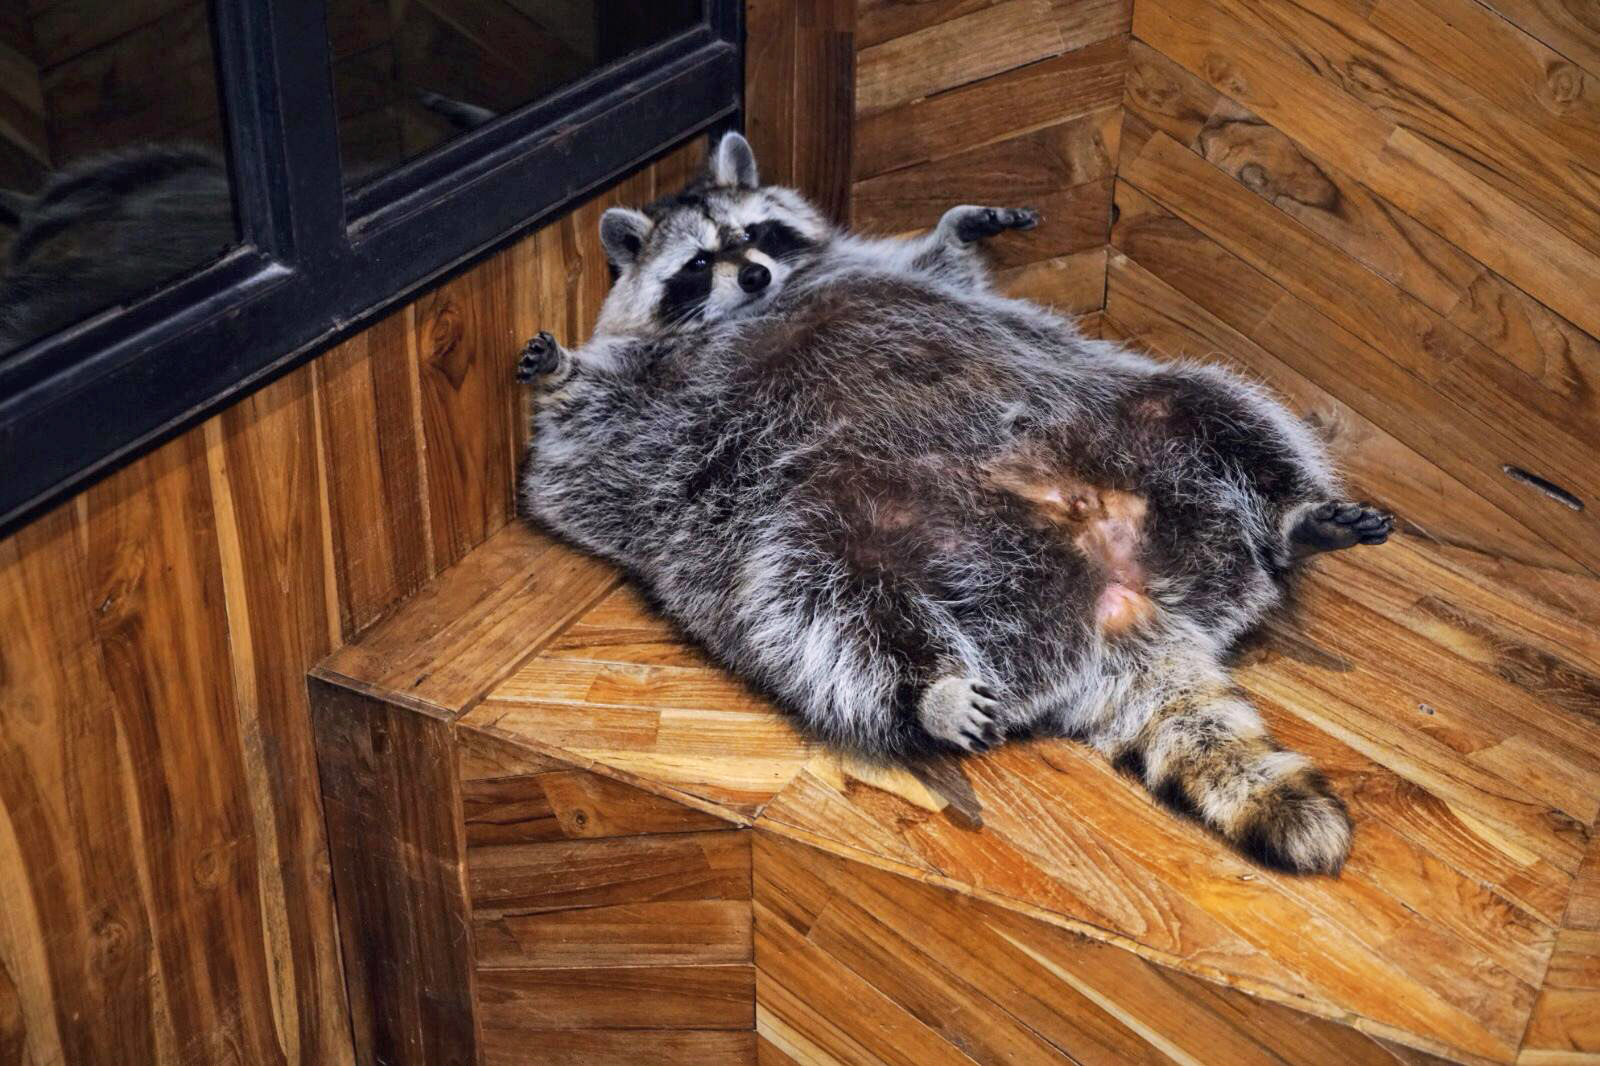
{"type": "Point", "coordinates": [112, 180]}
{"type": "Point", "coordinates": [408, 77]}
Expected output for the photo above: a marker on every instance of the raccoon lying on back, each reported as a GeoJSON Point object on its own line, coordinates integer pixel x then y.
{"type": "Point", "coordinates": [923, 516]}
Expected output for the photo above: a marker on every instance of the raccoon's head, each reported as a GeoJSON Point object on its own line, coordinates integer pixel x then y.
{"type": "Point", "coordinates": [719, 250]}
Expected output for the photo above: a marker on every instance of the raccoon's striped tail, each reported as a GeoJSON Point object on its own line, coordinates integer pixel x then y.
{"type": "Point", "coordinates": [1203, 751]}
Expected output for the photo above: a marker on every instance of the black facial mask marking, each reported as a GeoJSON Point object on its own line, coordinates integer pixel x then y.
{"type": "Point", "coordinates": [685, 295]}
{"type": "Point", "coordinates": [777, 239]}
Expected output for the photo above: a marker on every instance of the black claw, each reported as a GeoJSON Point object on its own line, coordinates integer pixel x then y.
{"type": "Point", "coordinates": [984, 690]}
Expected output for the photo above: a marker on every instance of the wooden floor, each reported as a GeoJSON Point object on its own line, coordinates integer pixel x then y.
{"type": "Point", "coordinates": [1451, 697]}
{"type": "Point", "coordinates": [1385, 209]}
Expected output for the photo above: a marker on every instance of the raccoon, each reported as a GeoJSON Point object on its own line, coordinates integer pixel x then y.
{"type": "Point", "coordinates": [924, 517]}
{"type": "Point", "coordinates": [108, 229]}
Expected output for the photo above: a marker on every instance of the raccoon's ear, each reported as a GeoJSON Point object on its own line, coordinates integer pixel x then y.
{"type": "Point", "coordinates": [734, 164]}
{"type": "Point", "coordinates": [622, 233]}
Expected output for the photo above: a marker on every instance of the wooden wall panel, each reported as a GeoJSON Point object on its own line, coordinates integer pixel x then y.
{"type": "Point", "coordinates": [799, 90]}
{"type": "Point", "coordinates": [165, 894]}
{"type": "Point", "coordinates": [1015, 103]}
{"type": "Point", "coordinates": [1390, 202]}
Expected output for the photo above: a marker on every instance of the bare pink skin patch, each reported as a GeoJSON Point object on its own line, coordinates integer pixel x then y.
{"type": "Point", "coordinates": [1107, 525]}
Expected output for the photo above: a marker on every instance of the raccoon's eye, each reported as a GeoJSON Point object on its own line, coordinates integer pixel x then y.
{"type": "Point", "coordinates": [751, 234]}
{"type": "Point", "coordinates": [699, 262]}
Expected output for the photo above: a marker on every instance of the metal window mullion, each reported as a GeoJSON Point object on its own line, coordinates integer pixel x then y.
{"type": "Point", "coordinates": [275, 75]}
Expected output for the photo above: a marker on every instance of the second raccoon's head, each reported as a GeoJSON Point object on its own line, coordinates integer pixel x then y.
{"type": "Point", "coordinates": [721, 249]}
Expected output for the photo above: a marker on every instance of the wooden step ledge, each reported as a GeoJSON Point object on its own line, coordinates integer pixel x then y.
{"type": "Point", "coordinates": [561, 835]}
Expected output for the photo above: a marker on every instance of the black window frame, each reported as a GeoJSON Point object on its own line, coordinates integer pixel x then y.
{"type": "Point", "coordinates": [316, 261]}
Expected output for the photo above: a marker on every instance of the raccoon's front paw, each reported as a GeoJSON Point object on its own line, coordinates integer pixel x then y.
{"type": "Point", "coordinates": [541, 356]}
{"type": "Point", "coordinates": [974, 223]}
{"type": "Point", "coordinates": [1339, 524]}
{"type": "Point", "coordinates": [960, 711]}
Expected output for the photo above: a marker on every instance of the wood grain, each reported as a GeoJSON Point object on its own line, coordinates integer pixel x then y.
{"type": "Point", "coordinates": [532, 878]}
{"type": "Point", "coordinates": [619, 1047]}
{"type": "Point", "coordinates": [618, 997]}
{"type": "Point", "coordinates": [464, 343]}
{"type": "Point", "coordinates": [458, 637]}
{"type": "Point", "coordinates": [398, 872]}
{"type": "Point", "coordinates": [1148, 312]}
{"type": "Point", "coordinates": [1081, 82]}
{"type": "Point", "coordinates": [990, 40]}
{"type": "Point", "coordinates": [1382, 391]}
{"type": "Point", "coordinates": [673, 933]}
{"type": "Point", "coordinates": [1466, 852]}
{"type": "Point", "coordinates": [372, 451]}
{"type": "Point", "coordinates": [266, 481]}
{"type": "Point", "coordinates": [570, 805]}
{"type": "Point", "coordinates": [1276, 76]}
{"type": "Point", "coordinates": [164, 873]}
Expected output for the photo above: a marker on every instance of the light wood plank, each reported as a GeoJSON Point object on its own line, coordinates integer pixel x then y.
{"type": "Point", "coordinates": [461, 635]}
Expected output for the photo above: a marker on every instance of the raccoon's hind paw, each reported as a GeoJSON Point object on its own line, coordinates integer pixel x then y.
{"type": "Point", "coordinates": [974, 223]}
{"type": "Point", "coordinates": [960, 711]}
{"type": "Point", "coordinates": [541, 356]}
{"type": "Point", "coordinates": [1297, 825]}
{"type": "Point", "coordinates": [1338, 524]}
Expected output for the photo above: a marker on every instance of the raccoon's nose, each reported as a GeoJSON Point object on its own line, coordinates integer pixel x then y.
{"type": "Point", "coordinates": [753, 277]}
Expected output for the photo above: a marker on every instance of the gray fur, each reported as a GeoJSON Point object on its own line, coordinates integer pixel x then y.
{"type": "Point", "coordinates": [877, 484]}
{"type": "Point", "coordinates": [109, 230]}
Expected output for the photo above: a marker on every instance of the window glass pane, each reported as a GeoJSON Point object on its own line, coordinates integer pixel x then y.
{"type": "Point", "coordinates": [408, 77]}
{"type": "Point", "coordinates": [112, 177]}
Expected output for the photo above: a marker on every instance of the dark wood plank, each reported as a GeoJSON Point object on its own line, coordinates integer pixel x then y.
{"type": "Point", "coordinates": [619, 1047]}
{"type": "Point", "coordinates": [571, 805]}
{"type": "Point", "coordinates": [372, 451]}
{"type": "Point", "coordinates": [673, 933]}
{"type": "Point", "coordinates": [989, 39]}
{"type": "Point", "coordinates": [389, 787]}
{"type": "Point", "coordinates": [481, 757]}
{"type": "Point", "coordinates": [530, 878]}
{"type": "Point", "coordinates": [617, 997]}
{"type": "Point", "coordinates": [464, 344]}
{"type": "Point", "coordinates": [1047, 169]}
{"type": "Point", "coordinates": [769, 90]}
{"type": "Point", "coordinates": [1079, 83]}
{"type": "Point", "coordinates": [824, 106]}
